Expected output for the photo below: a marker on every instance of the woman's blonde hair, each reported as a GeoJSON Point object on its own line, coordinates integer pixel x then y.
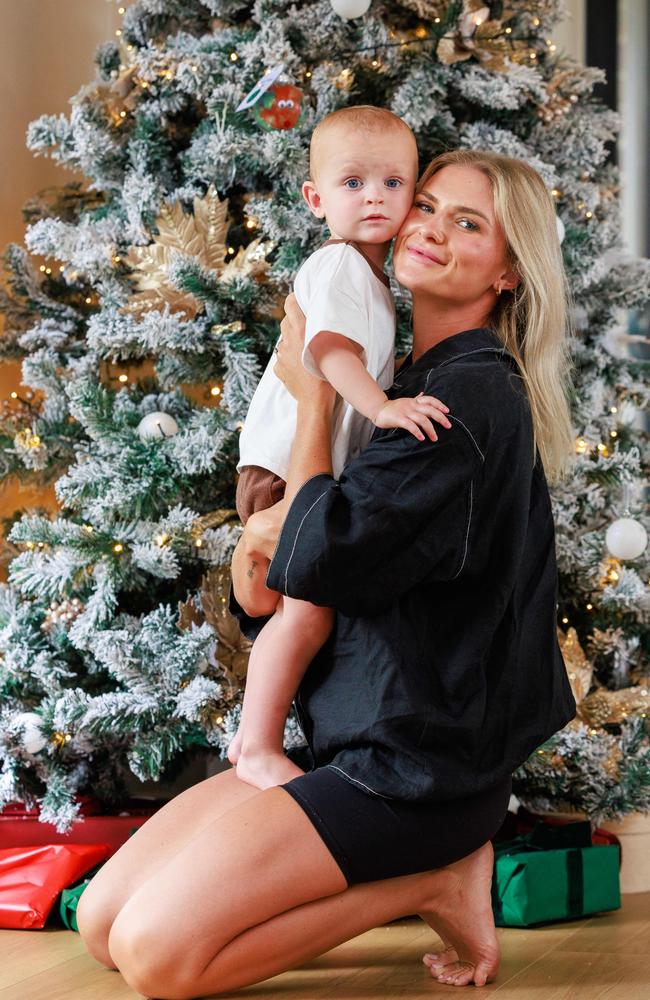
{"type": "Point", "coordinates": [531, 321]}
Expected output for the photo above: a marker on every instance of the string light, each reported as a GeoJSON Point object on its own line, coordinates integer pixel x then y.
{"type": "Point", "coordinates": [231, 251]}
{"type": "Point", "coordinates": [421, 31]}
{"type": "Point", "coordinates": [436, 20]}
{"type": "Point", "coordinates": [234, 57]}
{"type": "Point", "coordinates": [161, 539]}
{"type": "Point", "coordinates": [565, 621]}
{"type": "Point", "coordinates": [308, 75]}
{"type": "Point", "coordinates": [536, 22]}
{"type": "Point", "coordinates": [88, 300]}
{"type": "Point", "coordinates": [613, 409]}
{"type": "Point", "coordinates": [251, 223]}
{"type": "Point", "coordinates": [533, 55]}
{"type": "Point", "coordinates": [375, 63]}
{"type": "Point", "coordinates": [589, 215]}
{"type": "Point", "coordinates": [508, 31]}
{"type": "Point", "coordinates": [556, 192]}
{"type": "Point", "coordinates": [14, 395]}
{"type": "Point", "coordinates": [118, 32]}
{"type": "Point", "coordinates": [215, 390]}
{"type": "Point", "coordinates": [589, 607]}
{"type": "Point", "coordinates": [122, 114]}
{"type": "Point", "coordinates": [581, 446]}
{"type": "Point", "coordinates": [121, 10]}
{"type": "Point", "coordinates": [118, 547]}
{"type": "Point", "coordinates": [42, 268]}
{"type": "Point", "coordinates": [123, 378]}
{"type": "Point", "coordinates": [199, 543]}
{"type": "Point", "coordinates": [613, 434]}
{"type": "Point", "coordinates": [116, 260]}
{"type": "Point", "coordinates": [88, 528]}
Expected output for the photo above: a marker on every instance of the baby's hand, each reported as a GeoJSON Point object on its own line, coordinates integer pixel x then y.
{"type": "Point", "coordinates": [413, 413]}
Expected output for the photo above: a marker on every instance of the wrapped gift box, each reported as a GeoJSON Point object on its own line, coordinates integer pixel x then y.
{"type": "Point", "coordinates": [31, 878]}
{"type": "Point", "coordinates": [554, 872]}
{"type": "Point", "coordinates": [21, 827]}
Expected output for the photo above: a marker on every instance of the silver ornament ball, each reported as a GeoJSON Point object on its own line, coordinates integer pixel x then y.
{"type": "Point", "coordinates": [33, 738]}
{"type": "Point", "coordinates": [349, 9]}
{"type": "Point", "coordinates": [157, 425]}
{"type": "Point", "coordinates": [626, 538]}
{"type": "Point", "coordinates": [560, 228]}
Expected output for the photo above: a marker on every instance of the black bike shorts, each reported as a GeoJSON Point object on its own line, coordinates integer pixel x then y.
{"type": "Point", "coordinates": [372, 838]}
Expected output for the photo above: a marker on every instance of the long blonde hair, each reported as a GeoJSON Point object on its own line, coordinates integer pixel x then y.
{"type": "Point", "coordinates": [531, 321]}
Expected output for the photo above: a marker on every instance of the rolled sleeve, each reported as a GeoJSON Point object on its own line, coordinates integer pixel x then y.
{"type": "Point", "coordinates": [400, 514]}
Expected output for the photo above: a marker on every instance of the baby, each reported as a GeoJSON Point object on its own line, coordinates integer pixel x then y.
{"type": "Point", "coordinates": [363, 170]}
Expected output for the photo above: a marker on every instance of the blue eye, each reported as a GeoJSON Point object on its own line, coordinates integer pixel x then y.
{"type": "Point", "coordinates": [471, 226]}
{"type": "Point", "coordinates": [353, 183]}
{"type": "Point", "coordinates": [393, 183]}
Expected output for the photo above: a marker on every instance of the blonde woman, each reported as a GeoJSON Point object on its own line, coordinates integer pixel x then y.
{"type": "Point", "coordinates": [443, 671]}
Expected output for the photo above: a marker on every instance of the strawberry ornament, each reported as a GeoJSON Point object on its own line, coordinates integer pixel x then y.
{"type": "Point", "coordinates": [280, 107]}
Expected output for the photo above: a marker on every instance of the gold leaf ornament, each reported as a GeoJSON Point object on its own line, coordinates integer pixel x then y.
{"type": "Point", "coordinates": [579, 668]}
{"type": "Point", "coordinates": [200, 234]}
{"type": "Point", "coordinates": [604, 707]}
{"type": "Point", "coordinates": [482, 38]}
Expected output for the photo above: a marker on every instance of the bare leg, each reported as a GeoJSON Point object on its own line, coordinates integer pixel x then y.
{"type": "Point", "coordinates": [149, 850]}
{"type": "Point", "coordinates": [282, 652]}
{"type": "Point", "coordinates": [246, 908]}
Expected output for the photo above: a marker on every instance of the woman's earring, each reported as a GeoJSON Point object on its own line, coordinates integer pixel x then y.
{"type": "Point", "coordinates": [498, 289]}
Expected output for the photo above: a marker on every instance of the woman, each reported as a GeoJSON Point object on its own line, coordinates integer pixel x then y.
{"type": "Point", "coordinates": [443, 672]}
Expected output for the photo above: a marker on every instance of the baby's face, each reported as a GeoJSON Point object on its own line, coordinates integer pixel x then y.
{"type": "Point", "coordinates": [364, 183]}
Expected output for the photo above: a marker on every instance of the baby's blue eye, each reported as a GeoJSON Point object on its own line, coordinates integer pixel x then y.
{"type": "Point", "coordinates": [393, 182]}
{"type": "Point", "coordinates": [353, 183]}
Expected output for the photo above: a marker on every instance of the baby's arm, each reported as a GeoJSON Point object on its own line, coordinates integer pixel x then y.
{"type": "Point", "coordinates": [339, 359]}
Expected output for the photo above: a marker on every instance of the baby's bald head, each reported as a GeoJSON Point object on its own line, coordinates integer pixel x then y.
{"type": "Point", "coordinates": [353, 124]}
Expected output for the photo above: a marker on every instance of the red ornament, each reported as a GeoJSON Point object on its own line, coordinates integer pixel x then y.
{"type": "Point", "coordinates": [281, 107]}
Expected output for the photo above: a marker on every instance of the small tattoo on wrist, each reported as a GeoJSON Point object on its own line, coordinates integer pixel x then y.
{"type": "Point", "coordinates": [252, 569]}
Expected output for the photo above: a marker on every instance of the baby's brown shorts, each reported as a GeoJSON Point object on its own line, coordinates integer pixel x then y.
{"type": "Point", "coordinates": [257, 489]}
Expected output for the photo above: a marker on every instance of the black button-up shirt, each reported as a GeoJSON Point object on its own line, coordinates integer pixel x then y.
{"type": "Point", "coordinates": [443, 672]}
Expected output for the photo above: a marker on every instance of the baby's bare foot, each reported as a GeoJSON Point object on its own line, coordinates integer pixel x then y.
{"type": "Point", "coordinates": [266, 768]}
{"type": "Point", "coordinates": [460, 910]}
{"type": "Point", "coordinates": [234, 748]}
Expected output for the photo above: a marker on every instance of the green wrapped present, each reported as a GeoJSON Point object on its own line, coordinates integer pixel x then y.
{"type": "Point", "coordinates": [553, 873]}
{"type": "Point", "coordinates": [69, 900]}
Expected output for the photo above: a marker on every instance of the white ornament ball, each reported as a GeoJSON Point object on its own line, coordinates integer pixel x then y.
{"type": "Point", "coordinates": [560, 228]}
{"type": "Point", "coordinates": [349, 9]}
{"type": "Point", "coordinates": [626, 538]}
{"type": "Point", "coordinates": [33, 738]}
{"type": "Point", "coordinates": [157, 425]}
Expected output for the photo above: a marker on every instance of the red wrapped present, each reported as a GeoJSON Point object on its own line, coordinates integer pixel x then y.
{"type": "Point", "coordinates": [20, 827]}
{"type": "Point", "coordinates": [31, 878]}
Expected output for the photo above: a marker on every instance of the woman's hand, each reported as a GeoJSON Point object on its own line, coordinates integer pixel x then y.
{"type": "Point", "coordinates": [289, 368]}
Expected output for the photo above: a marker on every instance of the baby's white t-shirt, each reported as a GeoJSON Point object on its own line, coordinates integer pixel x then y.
{"type": "Point", "coordinates": [341, 291]}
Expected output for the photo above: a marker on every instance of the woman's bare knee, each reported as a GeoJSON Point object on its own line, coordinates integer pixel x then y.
{"type": "Point", "coordinates": [94, 920]}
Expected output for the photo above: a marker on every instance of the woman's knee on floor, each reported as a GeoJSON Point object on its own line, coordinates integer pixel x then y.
{"type": "Point", "coordinates": [95, 914]}
{"type": "Point", "coordinates": [151, 955]}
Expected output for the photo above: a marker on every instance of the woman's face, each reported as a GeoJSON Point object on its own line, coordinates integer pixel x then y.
{"type": "Point", "coordinates": [450, 245]}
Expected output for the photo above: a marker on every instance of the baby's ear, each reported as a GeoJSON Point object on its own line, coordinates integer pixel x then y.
{"type": "Point", "coordinates": [312, 197]}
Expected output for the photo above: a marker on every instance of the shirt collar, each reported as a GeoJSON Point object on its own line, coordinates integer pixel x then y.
{"type": "Point", "coordinates": [452, 348]}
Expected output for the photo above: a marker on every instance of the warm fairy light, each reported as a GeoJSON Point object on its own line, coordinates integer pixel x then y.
{"type": "Point", "coordinates": [61, 267]}
{"type": "Point", "coordinates": [602, 448]}
{"type": "Point", "coordinates": [122, 114]}
{"type": "Point", "coordinates": [129, 48]}
{"type": "Point", "coordinates": [613, 434]}
{"type": "Point", "coordinates": [552, 48]}
{"type": "Point", "coordinates": [231, 250]}
{"type": "Point", "coordinates": [14, 395]}
{"type": "Point", "coordinates": [251, 223]}
{"type": "Point", "coordinates": [375, 63]}
{"type": "Point", "coordinates": [589, 607]}
{"type": "Point", "coordinates": [121, 10]}
{"type": "Point", "coordinates": [116, 260]}
{"type": "Point", "coordinates": [565, 621]}
{"type": "Point", "coordinates": [88, 528]}
{"type": "Point", "coordinates": [581, 204]}
{"type": "Point", "coordinates": [533, 55]}
{"type": "Point", "coordinates": [613, 409]}
{"type": "Point", "coordinates": [581, 446]}
{"type": "Point", "coordinates": [215, 390]}
{"type": "Point", "coordinates": [124, 378]}
{"type": "Point", "coordinates": [589, 215]}
{"type": "Point", "coordinates": [612, 575]}
{"type": "Point", "coordinates": [30, 545]}
{"type": "Point", "coordinates": [574, 99]}
{"type": "Point", "coordinates": [88, 300]}
{"type": "Point", "coordinates": [536, 22]}
{"type": "Point", "coordinates": [477, 19]}
{"type": "Point", "coordinates": [118, 547]}
{"type": "Point", "coordinates": [308, 75]}
{"type": "Point", "coordinates": [508, 31]}
{"type": "Point", "coordinates": [421, 31]}
{"type": "Point", "coordinates": [161, 539]}
{"type": "Point", "coordinates": [234, 57]}
{"type": "Point", "coordinates": [42, 268]}
{"type": "Point", "coordinates": [556, 192]}
{"type": "Point", "coordinates": [436, 20]}
{"type": "Point", "coordinates": [199, 543]}
{"type": "Point", "coordinates": [219, 719]}
{"type": "Point", "coordinates": [144, 84]}
{"type": "Point", "coordinates": [118, 32]}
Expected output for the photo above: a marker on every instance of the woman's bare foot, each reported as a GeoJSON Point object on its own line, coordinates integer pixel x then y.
{"type": "Point", "coordinates": [459, 909]}
{"type": "Point", "coordinates": [266, 768]}
{"type": "Point", "coordinates": [234, 748]}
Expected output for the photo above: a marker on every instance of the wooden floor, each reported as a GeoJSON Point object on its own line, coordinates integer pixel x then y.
{"type": "Point", "coordinates": [606, 957]}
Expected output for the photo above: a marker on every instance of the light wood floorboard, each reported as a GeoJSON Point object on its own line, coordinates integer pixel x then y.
{"type": "Point", "coordinates": [605, 957]}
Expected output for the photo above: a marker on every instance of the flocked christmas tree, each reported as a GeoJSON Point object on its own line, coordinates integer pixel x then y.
{"type": "Point", "coordinates": [145, 312]}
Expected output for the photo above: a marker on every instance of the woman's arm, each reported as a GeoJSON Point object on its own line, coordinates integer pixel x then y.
{"type": "Point", "coordinates": [311, 454]}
